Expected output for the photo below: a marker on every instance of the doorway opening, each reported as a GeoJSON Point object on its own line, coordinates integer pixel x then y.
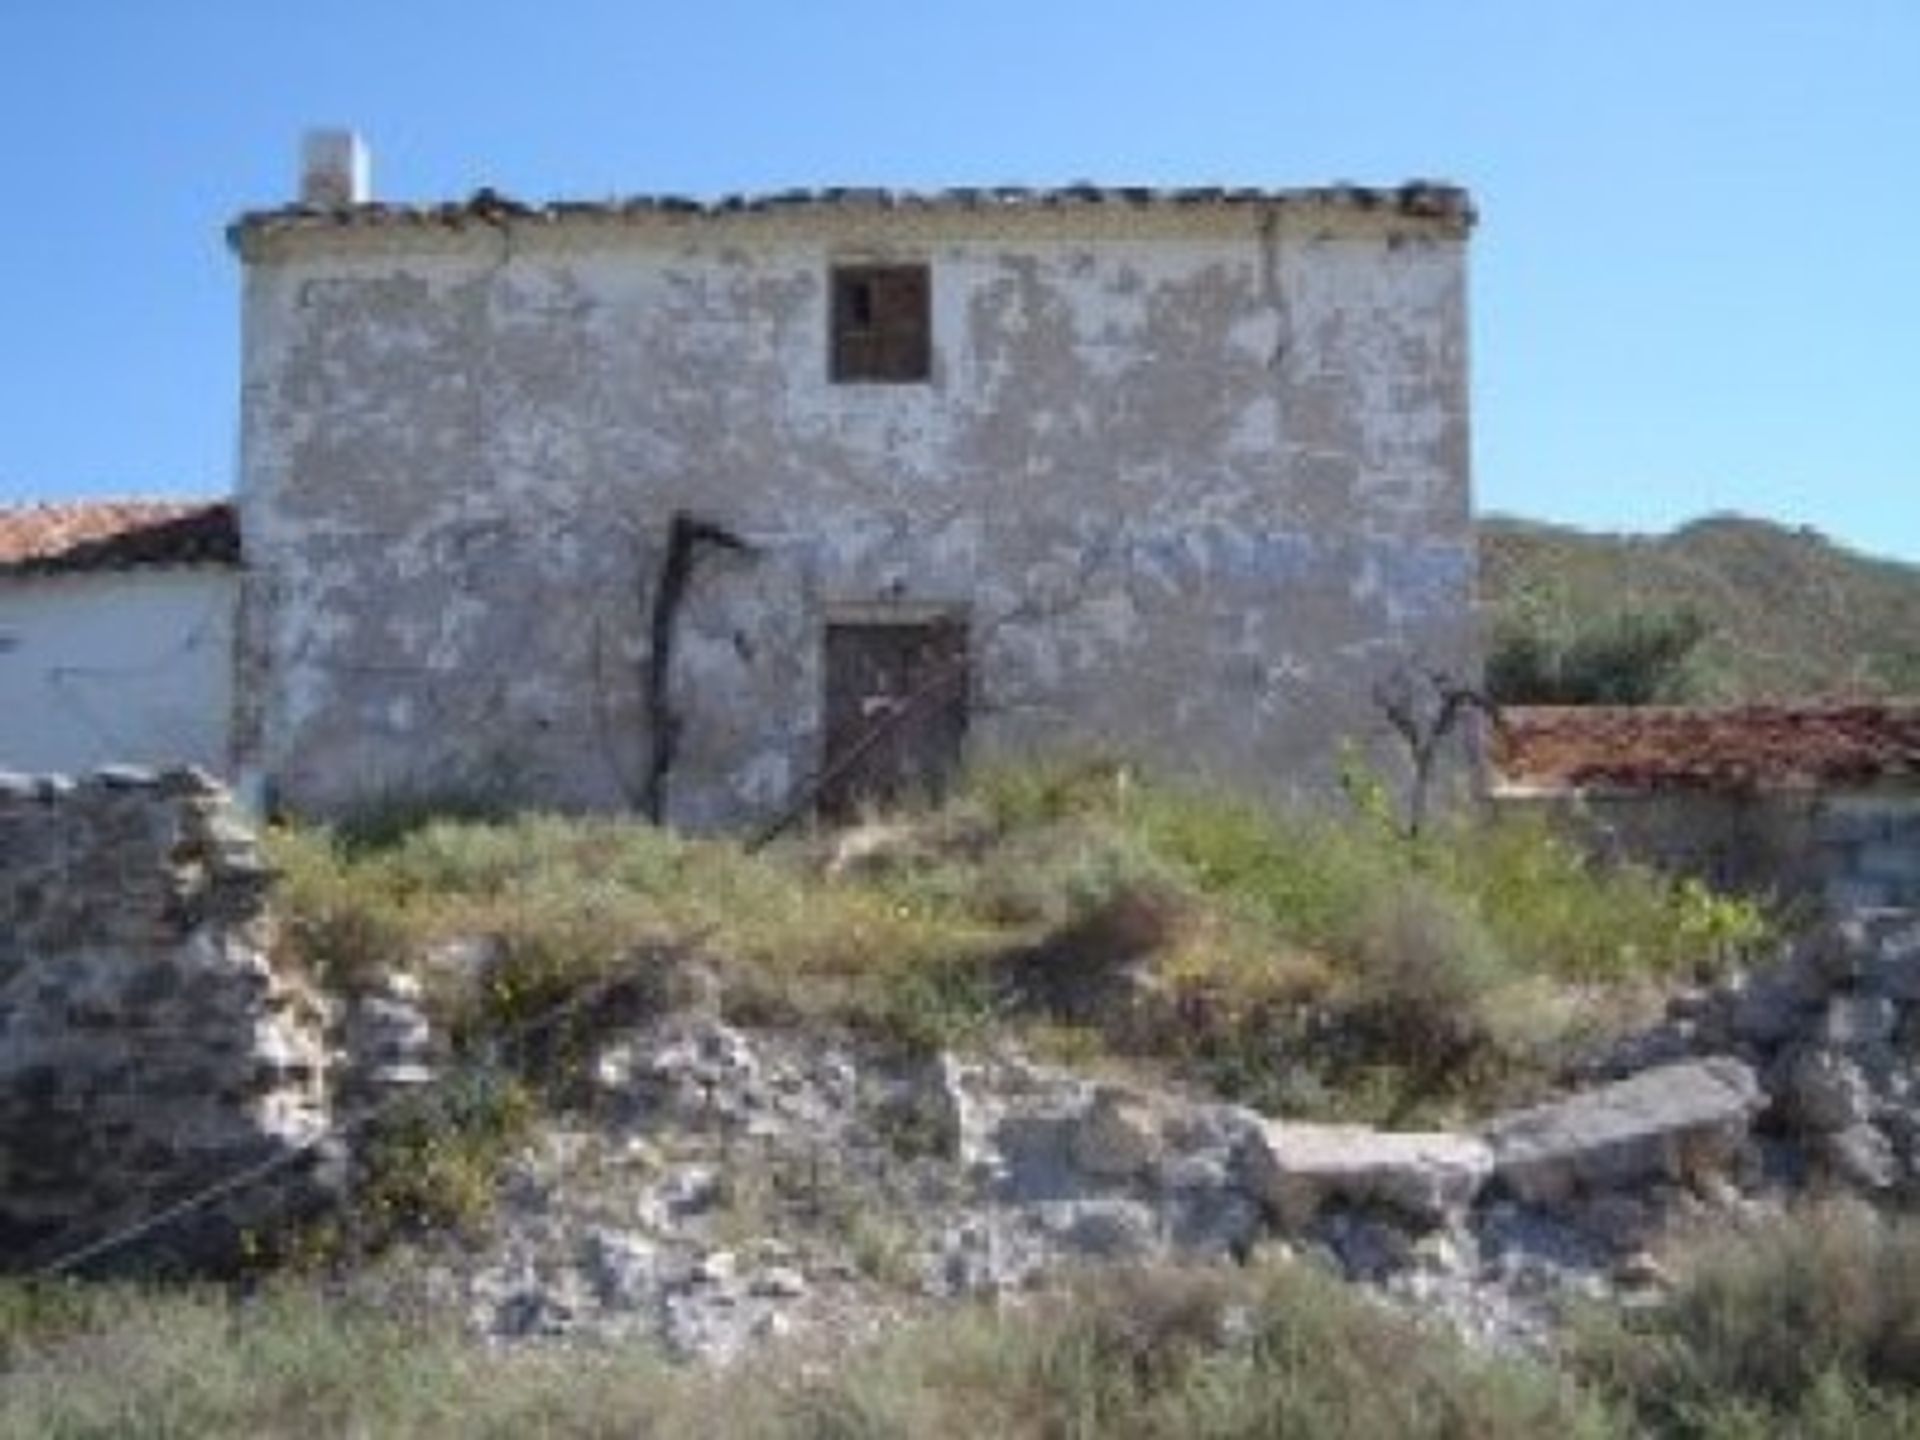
{"type": "Point", "coordinates": [897, 687]}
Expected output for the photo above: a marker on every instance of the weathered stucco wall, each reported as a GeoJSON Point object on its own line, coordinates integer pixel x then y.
{"type": "Point", "coordinates": [1198, 480]}
{"type": "Point", "coordinates": [129, 666]}
{"type": "Point", "coordinates": [1841, 850]}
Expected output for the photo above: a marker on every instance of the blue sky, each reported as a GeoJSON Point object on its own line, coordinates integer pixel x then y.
{"type": "Point", "coordinates": [1696, 281]}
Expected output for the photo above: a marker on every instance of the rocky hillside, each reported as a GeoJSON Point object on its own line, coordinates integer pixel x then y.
{"type": "Point", "coordinates": [706, 1183]}
{"type": "Point", "coordinates": [1790, 613]}
{"type": "Point", "coordinates": [1080, 1106]}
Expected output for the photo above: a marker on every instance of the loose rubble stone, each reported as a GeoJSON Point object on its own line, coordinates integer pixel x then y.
{"type": "Point", "coordinates": [781, 1282]}
{"type": "Point", "coordinates": [1862, 1156]}
{"type": "Point", "coordinates": [1820, 1090]}
{"type": "Point", "coordinates": [1642, 1270]}
{"type": "Point", "coordinates": [387, 1045]}
{"type": "Point", "coordinates": [1430, 1177]}
{"type": "Point", "coordinates": [1669, 1122]}
{"type": "Point", "coordinates": [1894, 970]}
{"type": "Point", "coordinates": [623, 1268]}
{"type": "Point", "coordinates": [1859, 1022]}
{"type": "Point", "coordinates": [1117, 1136]}
{"type": "Point", "coordinates": [1834, 1030]}
{"type": "Point", "coordinates": [1772, 1007]}
{"type": "Point", "coordinates": [689, 1190]}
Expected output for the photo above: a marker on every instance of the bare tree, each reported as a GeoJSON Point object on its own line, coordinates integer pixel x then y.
{"type": "Point", "coordinates": [1425, 705]}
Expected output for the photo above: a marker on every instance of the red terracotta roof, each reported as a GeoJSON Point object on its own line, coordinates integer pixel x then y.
{"type": "Point", "coordinates": [1744, 747]}
{"type": "Point", "coordinates": [117, 535]}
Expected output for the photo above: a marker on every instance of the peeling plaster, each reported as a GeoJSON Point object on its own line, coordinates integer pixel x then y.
{"type": "Point", "coordinates": [1197, 490]}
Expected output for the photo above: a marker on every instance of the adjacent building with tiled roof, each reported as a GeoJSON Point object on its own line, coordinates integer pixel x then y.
{"type": "Point", "coordinates": [116, 633]}
{"type": "Point", "coordinates": [1810, 801]}
{"type": "Point", "coordinates": [1735, 748]}
{"type": "Point", "coordinates": [86, 535]}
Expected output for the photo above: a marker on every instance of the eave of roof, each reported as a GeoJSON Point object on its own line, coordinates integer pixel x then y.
{"type": "Point", "coordinates": [1732, 749]}
{"type": "Point", "coordinates": [107, 535]}
{"type": "Point", "coordinates": [1444, 206]}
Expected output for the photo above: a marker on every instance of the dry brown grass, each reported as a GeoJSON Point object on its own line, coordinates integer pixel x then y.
{"type": "Point", "coordinates": [1156, 1353]}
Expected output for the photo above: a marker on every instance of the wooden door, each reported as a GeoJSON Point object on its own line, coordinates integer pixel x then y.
{"type": "Point", "coordinates": [896, 711]}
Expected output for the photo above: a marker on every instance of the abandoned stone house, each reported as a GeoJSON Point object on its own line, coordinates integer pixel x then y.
{"type": "Point", "coordinates": [692, 505]}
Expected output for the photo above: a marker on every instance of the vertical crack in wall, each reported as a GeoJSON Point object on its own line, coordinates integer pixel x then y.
{"type": "Point", "coordinates": [685, 535]}
{"type": "Point", "coordinates": [1272, 291]}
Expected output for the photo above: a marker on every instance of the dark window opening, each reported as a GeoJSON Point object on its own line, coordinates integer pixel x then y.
{"type": "Point", "coordinates": [860, 303]}
{"type": "Point", "coordinates": [881, 323]}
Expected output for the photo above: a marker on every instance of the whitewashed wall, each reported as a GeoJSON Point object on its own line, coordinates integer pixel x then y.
{"type": "Point", "coordinates": [131, 666]}
{"type": "Point", "coordinates": [1198, 479]}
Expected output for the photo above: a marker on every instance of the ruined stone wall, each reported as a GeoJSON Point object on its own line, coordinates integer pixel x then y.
{"type": "Point", "coordinates": [1196, 480]}
{"type": "Point", "coordinates": [148, 1048]}
{"type": "Point", "coordinates": [1841, 850]}
{"type": "Point", "coordinates": [1869, 847]}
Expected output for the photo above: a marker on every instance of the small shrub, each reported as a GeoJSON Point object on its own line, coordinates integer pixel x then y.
{"type": "Point", "coordinates": [1305, 875]}
{"type": "Point", "coordinates": [1543, 654]}
{"type": "Point", "coordinates": [37, 1313]}
{"type": "Point", "coordinates": [434, 1162]}
{"type": "Point", "coordinates": [1157, 1353]}
{"type": "Point", "coordinates": [345, 932]}
{"type": "Point", "coordinates": [1175, 1352]}
{"type": "Point", "coordinates": [383, 821]}
{"type": "Point", "coordinates": [1557, 912]}
{"type": "Point", "coordinates": [1045, 789]}
{"type": "Point", "coordinates": [293, 1361]}
{"type": "Point", "coordinates": [1792, 1328]}
{"type": "Point", "coordinates": [1424, 980]}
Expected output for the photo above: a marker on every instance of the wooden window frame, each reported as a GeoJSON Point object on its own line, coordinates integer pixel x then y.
{"type": "Point", "coordinates": [880, 324]}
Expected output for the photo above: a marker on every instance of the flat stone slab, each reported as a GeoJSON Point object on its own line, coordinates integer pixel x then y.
{"type": "Point", "coordinates": [1671, 1122]}
{"type": "Point", "coordinates": [1430, 1176]}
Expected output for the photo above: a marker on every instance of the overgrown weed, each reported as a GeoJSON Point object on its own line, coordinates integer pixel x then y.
{"type": "Point", "coordinates": [1806, 1326]}
{"type": "Point", "coordinates": [1148, 1353]}
{"type": "Point", "coordinates": [1297, 959]}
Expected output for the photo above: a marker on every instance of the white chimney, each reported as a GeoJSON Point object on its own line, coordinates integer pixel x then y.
{"type": "Point", "coordinates": [335, 169]}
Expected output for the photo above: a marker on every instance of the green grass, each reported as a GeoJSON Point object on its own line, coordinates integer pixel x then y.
{"type": "Point", "coordinates": [565, 903]}
{"type": "Point", "coordinates": [1304, 962]}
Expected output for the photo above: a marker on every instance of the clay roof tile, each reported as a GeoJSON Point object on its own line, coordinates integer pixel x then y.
{"type": "Point", "coordinates": [1732, 748]}
{"type": "Point", "coordinates": [116, 535]}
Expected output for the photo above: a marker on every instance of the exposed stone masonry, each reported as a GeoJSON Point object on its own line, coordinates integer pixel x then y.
{"type": "Point", "coordinates": [148, 1045]}
{"type": "Point", "coordinates": [1868, 848]}
{"type": "Point", "coordinates": [1834, 1035]}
